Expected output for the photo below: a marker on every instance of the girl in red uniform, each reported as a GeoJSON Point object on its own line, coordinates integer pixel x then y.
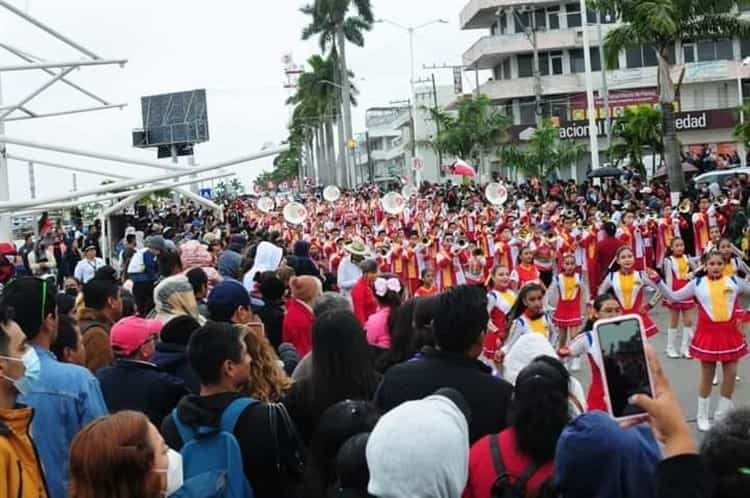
{"type": "Point", "coordinates": [527, 316]}
{"type": "Point", "coordinates": [525, 271]}
{"type": "Point", "coordinates": [677, 272]}
{"type": "Point", "coordinates": [627, 285]}
{"type": "Point", "coordinates": [566, 292]}
{"type": "Point", "coordinates": [500, 300]}
{"type": "Point", "coordinates": [428, 284]}
{"type": "Point", "coordinates": [605, 306]}
{"type": "Point", "coordinates": [717, 337]}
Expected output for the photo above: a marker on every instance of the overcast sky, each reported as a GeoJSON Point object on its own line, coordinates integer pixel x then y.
{"type": "Point", "coordinates": [231, 48]}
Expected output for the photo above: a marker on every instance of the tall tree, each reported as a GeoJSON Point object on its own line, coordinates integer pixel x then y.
{"type": "Point", "coordinates": [658, 25]}
{"type": "Point", "coordinates": [545, 154]}
{"type": "Point", "coordinates": [334, 26]}
{"type": "Point", "coordinates": [471, 131]}
{"type": "Point", "coordinates": [638, 129]}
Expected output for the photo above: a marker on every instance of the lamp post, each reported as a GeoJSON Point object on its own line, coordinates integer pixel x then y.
{"type": "Point", "coordinates": [740, 102]}
{"type": "Point", "coordinates": [411, 30]}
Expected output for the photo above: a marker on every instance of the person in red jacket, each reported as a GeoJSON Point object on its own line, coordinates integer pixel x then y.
{"type": "Point", "coordinates": [363, 299]}
{"type": "Point", "coordinates": [606, 249]}
{"type": "Point", "coordinates": [527, 447]}
{"type": "Point", "coordinates": [298, 319]}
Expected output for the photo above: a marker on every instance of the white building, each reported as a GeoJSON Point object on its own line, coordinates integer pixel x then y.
{"type": "Point", "coordinates": [713, 85]}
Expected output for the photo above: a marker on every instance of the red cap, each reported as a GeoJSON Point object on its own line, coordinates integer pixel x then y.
{"type": "Point", "coordinates": [132, 332]}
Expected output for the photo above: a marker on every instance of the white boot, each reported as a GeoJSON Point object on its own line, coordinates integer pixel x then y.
{"type": "Point", "coordinates": [671, 340]}
{"type": "Point", "coordinates": [687, 337]}
{"type": "Point", "coordinates": [702, 418]}
{"type": "Point", "coordinates": [715, 381]}
{"type": "Point", "coordinates": [575, 364]}
{"type": "Point", "coordinates": [725, 406]}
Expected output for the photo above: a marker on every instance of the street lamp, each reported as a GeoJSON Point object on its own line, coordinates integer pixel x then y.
{"type": "Point", "coordinates": [411, 30]}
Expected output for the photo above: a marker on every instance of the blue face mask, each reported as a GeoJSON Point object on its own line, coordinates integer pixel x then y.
{"type": "Point", "coordinates": [33, 367]}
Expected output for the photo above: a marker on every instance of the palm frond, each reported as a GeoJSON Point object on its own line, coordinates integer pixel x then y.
{"type": "Point", "coordinates": [364, 9]}
{"type": "Point", "coordinates": [715, 26]}
{"type": "Point", "coordinates": [618, 39]}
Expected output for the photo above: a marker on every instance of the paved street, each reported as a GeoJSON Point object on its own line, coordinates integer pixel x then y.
{"type": "Point", "coordinates": [684, 374]}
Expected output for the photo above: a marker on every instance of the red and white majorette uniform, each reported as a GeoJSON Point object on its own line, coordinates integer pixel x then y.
{"type": "Point", "coordinates": [666, 230]}
{"type": "Point", "coordinates": [648, 229]}
{"type": "Point", "coordinates": [732, 268]}
{"type": "Point", "coordinates": [568, 310]}
{"type": "Point", "coordinates": [628, 290]}
{"type": "Point", "coordinates": [630, 235]}
{"type": "Point", "coordinates": [587, 343]}
{"type": "Point", "coordinates": [717, 337]}
{"type": "Point", "coordinates": [588, 245]}
{"type": "Point", "coordinates": [525, 275]}
{"type": "Point", "coordinates": [503, 254]}
{"type": "Point", "coordinates": [526, 324]}
{"type": "Point", "coordinates": [676, 275]}
{"type": "Point", "coordinates": [499, 303]}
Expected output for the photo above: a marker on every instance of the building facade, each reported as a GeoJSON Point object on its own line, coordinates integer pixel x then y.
{"type": "Point", "coordinates": [714, 82]}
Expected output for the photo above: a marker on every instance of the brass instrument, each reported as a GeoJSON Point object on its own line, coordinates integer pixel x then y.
{"type": "Point", "coordinates": [551, 236]}
{"type": "Point", "coordinates": [686, 206]}
{"type": "Point", "coordinates": [525, 234]}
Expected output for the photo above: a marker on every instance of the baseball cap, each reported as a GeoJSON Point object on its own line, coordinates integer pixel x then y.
{"type": "Point", "coordinates": [229, 294]}
{"type": "Point", "coordinates": [132, 332]}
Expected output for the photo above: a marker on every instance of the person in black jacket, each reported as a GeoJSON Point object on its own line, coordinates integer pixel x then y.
{"type": "Point", "coordinates": [303, 263]}
{"type": "Point", "coordinates": [171, 350]}
{"type": "Point", "coordinates": [459, 327]}
{"type": "Point", "coordinates": [270, 457]}
{"type": "Point", "coordinates": [134, 382]}
{"type": "Point", "coordinates": [272, 314]}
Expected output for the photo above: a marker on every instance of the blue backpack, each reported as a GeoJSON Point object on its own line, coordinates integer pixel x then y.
{"type": "Point", "coordinates": [211, 457]}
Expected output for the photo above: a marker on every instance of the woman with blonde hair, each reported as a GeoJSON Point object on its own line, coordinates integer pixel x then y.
{"type": "Point", "coordinates": [122, 456]}
{"type": "Point", "coordinates": [174, 297]}
{"type": "Point", "coordinates": [268, 380]}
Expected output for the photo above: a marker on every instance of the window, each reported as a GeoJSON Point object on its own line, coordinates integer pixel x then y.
{"type": "Point", "coordinates": [540, 18]}
{"type": "Point", "coordinates": [642, 56]}
{"type": "Point", "coordinates": [573, 11]}
{"type": "Point", "coordinates": [553, 17]}
{"type": "Point", "coordinates": [522, 21]}
{"type": "Point", "coordinates": [543, 63]}
{"type": "Point", "coordinates": [577, 63]}
{"type": "Point", "coordinates": [576, 60]}
{"type": "Point", "coordinates": [502, 70]}
{"type": "Point", "coordinates": [555, 59]}
{"type": "Point", "coordinates": [712, 50]}
{"type": "Point", "coordinates": [525, 65]}
{"type": "Point", "coordinates": [527, 107]}
{"type": "Point", "coordinates": [501, 25]}
{"type": "Point", "coordinates": [745, 48]}
{"type": "Point", "coordinates": [688, 52]}
{"type": "Point", "coordinates": [506, 69]}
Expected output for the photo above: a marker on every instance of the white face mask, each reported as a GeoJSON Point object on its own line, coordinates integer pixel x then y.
{"type": "Point", "coordinates": [173, 471]}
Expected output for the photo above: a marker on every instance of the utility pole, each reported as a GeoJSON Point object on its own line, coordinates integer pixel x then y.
{"type": "Point", "coordinates": [590, 106]}
{"type": "Point", "coordinates": [437, 125]}
{"type": "Point", "coordinates": [32, 182]}
{"type": "Point", "coordinates": [370, 166]}
{"type": "Point", "coordinates": [75, 183]}
{"type": "Point", "coordinates": [529, 30]}
{"type": "Point", "coordinates": [604, 93]}
{"type": "Point", "coordinates": [5, 231]}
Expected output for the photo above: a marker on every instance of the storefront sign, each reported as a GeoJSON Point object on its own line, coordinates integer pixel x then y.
{"type": "Point", "coordinates": [684, 121]}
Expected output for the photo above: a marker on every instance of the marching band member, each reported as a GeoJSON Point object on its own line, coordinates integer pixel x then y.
{"type": "Point", "coordinates": [500, 299]}
{"type": "Point", "coordinates": [525, 271]}
{"type": "Point", "coordinates": [717, 337]}
{"type": "Point", "coordinates": [627, 284]}
{"type": "Point", "coordinates": [543, 244]}
{"type": "Point", "coordinates": [605, 306]}
{"type": "Point", "coordinates": [428, 287]}
{"type": "Point", "coordinates": [667, 228]}
{"type": "Point", "coordinates": [449, 265]}
{"type": "Point", "coordinates": [503, 255]}
{"type": "Point", "coordinates": [701, 223]}
{"type": "Point", "coordinates": [567, 292]}
{"type": "Point", "coordinates": [678, 269]}
{"type": "Point", "coordinates": [527, 316]}
{"type": "Point", "coordinates": [411, 264]}
{"type": "Point", "coordinates": [630, 235]}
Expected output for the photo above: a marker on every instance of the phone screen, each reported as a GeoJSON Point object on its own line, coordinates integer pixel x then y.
{"type": "Point", "coordinates": [624, 361]}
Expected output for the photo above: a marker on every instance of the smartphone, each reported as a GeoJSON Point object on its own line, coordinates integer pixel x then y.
{"type": "Point", "coordinates": [625, 371]}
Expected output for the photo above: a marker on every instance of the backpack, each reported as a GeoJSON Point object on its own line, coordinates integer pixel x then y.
{"type": "Point", "coordinates": [211, 457]}
{"type": "Point", "coordinates": [505, 486]}
{"type": "Point", "coordinates": [136, 263]}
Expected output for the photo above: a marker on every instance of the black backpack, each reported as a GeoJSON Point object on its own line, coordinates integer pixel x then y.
{"type": "Point", "coordinates": [505, 485]}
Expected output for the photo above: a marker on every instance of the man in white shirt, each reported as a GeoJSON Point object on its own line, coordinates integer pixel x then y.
{"type": "Point", "coordinates": [349, 272]}
{"type": "Point", "coordinates": [86, 268]}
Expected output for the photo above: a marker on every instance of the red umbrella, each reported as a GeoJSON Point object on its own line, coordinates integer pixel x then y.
{"type": "Point", "coordinates": [461, 168]}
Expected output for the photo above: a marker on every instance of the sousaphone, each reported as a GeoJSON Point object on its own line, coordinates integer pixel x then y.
{"type": "Point", "coordinates": [393, 203]}
{"type": "Point", "coordinates": [295, 213]}
{"type": "Point", "coordinates": [496, 193]}
{"type": "Point", "coordinates": [266, 204]}
{"type": "Point", "coordinates": [331, 193]}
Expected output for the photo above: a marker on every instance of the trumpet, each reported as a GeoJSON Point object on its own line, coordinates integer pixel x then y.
{"type": "Point", "coordinates": [551, 236]}
{"type": "Point", "coordinates": [686, 206]}
{"type": "Point", "coordinates": [524, 234]}
{"type": "Point", "coordinates": [426, 242]}
{"type": "Point", "coordinates": [463, 244]}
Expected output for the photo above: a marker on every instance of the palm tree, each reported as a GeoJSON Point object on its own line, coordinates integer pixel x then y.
{"type": "Point", "coordinates": [639, 129]}
{"type": "Point", "coordinates": [334, 27]}
{"type": "Point", "coordinates": [660, 24]}
{"type": "Point", "coordinates": [472, 131]}
{"type": "Point", "coordinates": [545, 154]}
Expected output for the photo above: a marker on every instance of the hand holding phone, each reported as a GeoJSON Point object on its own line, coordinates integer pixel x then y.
{"type": "Point", "coordinates": [625, 370]}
